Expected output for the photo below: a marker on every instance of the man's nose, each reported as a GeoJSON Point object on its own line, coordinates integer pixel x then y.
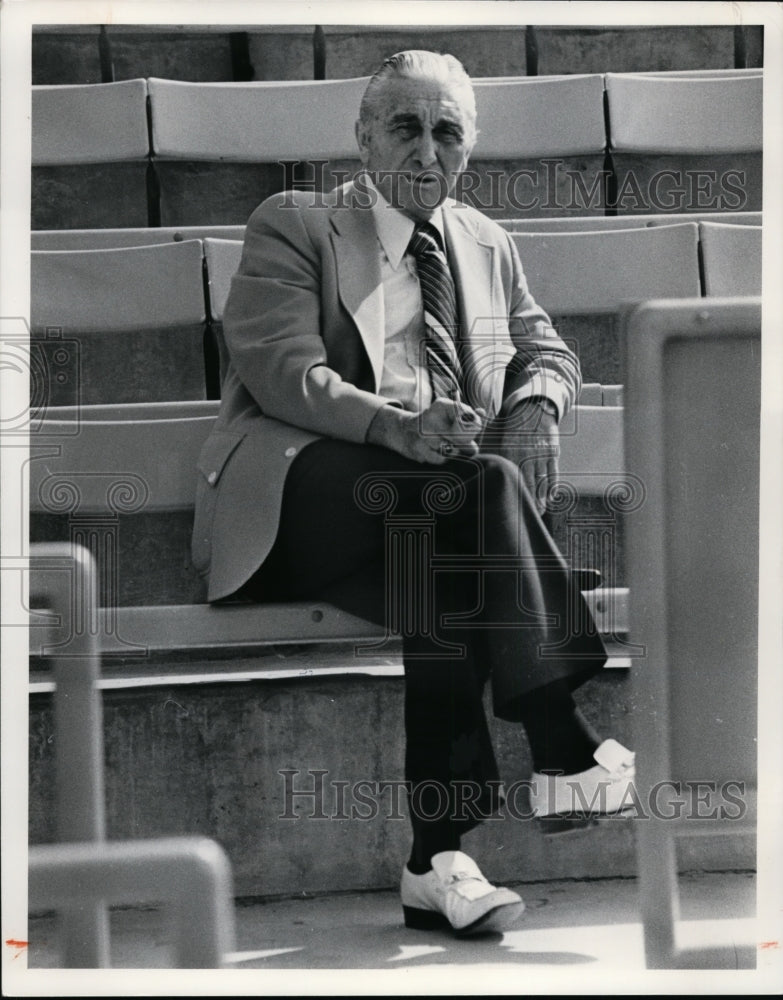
{"type": "Point", "coordinates": [426, 149]}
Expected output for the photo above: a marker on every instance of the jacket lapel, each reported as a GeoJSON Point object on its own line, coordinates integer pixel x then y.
{"type": "Point", "coordinates": [359, 279]}
{"type": "Point", "coordinates": [483, 314]}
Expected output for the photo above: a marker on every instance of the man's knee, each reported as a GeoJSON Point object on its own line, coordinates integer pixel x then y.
{"type": "Point", "coordinates": [500, 478]}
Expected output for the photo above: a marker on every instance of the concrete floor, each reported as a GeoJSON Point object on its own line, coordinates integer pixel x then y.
{"type": "Point", "coordinates": [576, 936]}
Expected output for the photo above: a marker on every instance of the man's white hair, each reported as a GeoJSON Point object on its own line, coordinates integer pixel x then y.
{"type": "Point", "coordinates": [414, 63]}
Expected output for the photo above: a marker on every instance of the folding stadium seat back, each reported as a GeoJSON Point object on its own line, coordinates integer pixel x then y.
{"type": "Point", "coordinates": [121, 325]}
{"type": "Point", "coordinates": [222, 258]}
{"type": "Point", "coordinates": [540, 148]}
{"type": "Point", "coordinates": [227, 143]}
{"type": "Point", "coordinates": [515, 117]}
{"type": "Point", "coordinates": [89, 154]}
{"type": "Point", "coordinates": [585, 281]}
{"type": "Point", "coordinates": [686, 143]}
{"type": "Point", "coordinates": [108, 239]}
{"type": "Point", "coordinates": [731, 257]}
{"type": "Point", "coordinates": [122, 479]}
{"type": "Point", "coordinates": [91, 124]}
{"type": "Point", "coordinates": [539, 151]}
{"type": "Point", "coordinates": [599, 223]}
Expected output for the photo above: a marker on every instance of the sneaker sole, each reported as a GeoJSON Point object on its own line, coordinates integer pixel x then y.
{"type": "Point", "coordinates": [567, 822]}
{"type": "Point", "coordinates": [497, 920]}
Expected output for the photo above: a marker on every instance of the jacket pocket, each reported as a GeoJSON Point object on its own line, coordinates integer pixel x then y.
{"type": "Point", "coordinates": [212, 461]}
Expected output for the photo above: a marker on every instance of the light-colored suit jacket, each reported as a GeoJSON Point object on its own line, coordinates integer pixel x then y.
{"type": "Point", "coordinates": [304, 336]}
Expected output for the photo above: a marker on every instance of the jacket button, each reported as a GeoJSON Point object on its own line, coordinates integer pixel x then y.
{"type": "Point", "coordinates": [290, 452]}
{"type": "Point", "coordinates": [212, 478]}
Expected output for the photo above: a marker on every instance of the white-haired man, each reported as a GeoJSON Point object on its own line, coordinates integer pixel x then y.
{"type": "Point", "coordinates": [384, 348]}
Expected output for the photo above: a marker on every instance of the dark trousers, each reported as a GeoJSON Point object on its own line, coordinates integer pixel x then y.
{"type": "Point", "coordinates": [456, 559]}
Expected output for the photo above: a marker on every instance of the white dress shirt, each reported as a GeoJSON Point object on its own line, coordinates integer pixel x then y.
{"type": "Point", "coordinates": [405, 377]}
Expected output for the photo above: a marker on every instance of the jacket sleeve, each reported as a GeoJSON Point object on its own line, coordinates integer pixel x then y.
{"type": "Point", "coordinates": [542, 365]}
{"type": "Point", "coordinates": [272, 329]}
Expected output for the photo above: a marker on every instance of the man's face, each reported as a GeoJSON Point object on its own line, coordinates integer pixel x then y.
{"type": "Point", "coordinates": [418, 144]}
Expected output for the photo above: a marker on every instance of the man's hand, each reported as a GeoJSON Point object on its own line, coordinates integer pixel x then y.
{"type": "Point", "coordinates": [445, 429]}
{"type": "Point", "coordinates": [530, 439]}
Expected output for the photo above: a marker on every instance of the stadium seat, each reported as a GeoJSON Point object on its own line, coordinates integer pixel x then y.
{"type": "Point", "coordinates": [584, 280]}
{"type": "Point", "coordinates": [596, 223]}
{"type": "Point", "coordinates": [136, 466]}
{"type": "Point", "coordinates": [222, 260]}
{"type": "Point", "coordinates": [219, 148]}
{"type": "Point", "coordinates": [124, 325]}
{"type": "Point", "coordinates": [89, 154]}
{"type": "Point", "coordinates": [222, 257]}
{"type": "Point", "coordinates": [693, 553]}
{"type": "Point", "coordinates": [731, 257]}
{"type": "Point", "coordinates": [540, 149]}
{"type": "Point", "coordinates": [686, 143]}
{"type": "Point", "coordinates": [107, 239]}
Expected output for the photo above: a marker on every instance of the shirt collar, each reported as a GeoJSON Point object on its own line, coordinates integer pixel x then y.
{"type": "Point", "coordinates": [395, 229]}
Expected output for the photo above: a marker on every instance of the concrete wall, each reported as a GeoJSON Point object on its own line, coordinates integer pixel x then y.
{"type": "Point", "coordinates": [72, 54]}
{"type": "Point", "coordinates": [206, 759]}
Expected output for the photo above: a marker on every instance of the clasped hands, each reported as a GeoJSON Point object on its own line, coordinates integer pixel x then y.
{"type": "Point", "coordinates": [527, 436]}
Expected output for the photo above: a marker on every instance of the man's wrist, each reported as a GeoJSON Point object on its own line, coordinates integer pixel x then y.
{"type": "Point", "coordinates": [544, 402]}
{"type": "Point", "coordinates": [386, 424]}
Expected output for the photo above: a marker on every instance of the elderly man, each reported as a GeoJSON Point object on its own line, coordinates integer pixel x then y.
{"type": "Point", "coordinates": [384, 349]}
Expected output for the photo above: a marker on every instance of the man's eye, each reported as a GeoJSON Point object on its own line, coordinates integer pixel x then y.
{"type": "Point", "coordinates": [449, 135]}
{"type": "Point", "coordinates": [406, 131]}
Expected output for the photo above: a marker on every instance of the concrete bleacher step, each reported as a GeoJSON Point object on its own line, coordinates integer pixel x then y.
{"type": "Point", "coordinates": [632, 49]}
{"type": "Point", "coordinates": [358, 50]}
{"type": "Point", "coordinates": [66, 54]}
{"type": "Point", "coordinates": [224, 759]}
{"type": "Point", "coordinates": [71, 53]}
{"type": "Point", "coordinates": [209, 52]}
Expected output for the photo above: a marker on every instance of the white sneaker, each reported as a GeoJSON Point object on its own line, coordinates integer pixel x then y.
{"type": "Point", "coordinates": [606, 789]}
{"type": "Point", "coordinates": [454, 894]}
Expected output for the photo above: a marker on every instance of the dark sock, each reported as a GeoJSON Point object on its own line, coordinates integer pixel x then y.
{"type": "Point", "coordinates": [560, 737]}
{"type": "Point", "coordinates": [427, 841]}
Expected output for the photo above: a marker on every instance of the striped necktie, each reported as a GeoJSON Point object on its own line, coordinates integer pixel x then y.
{"type": "Point", "coordinates": [440, 312]}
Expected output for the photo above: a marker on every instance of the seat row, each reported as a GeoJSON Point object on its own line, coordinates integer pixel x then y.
{"type": "Point", "coordinates": [119, 318]}
{"type": "Point", "coordinates": [92, 53]}
{"type": "Point", "coordinates": [136, 434]}
{"type": "Point", "coordinates": [177, 153]}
